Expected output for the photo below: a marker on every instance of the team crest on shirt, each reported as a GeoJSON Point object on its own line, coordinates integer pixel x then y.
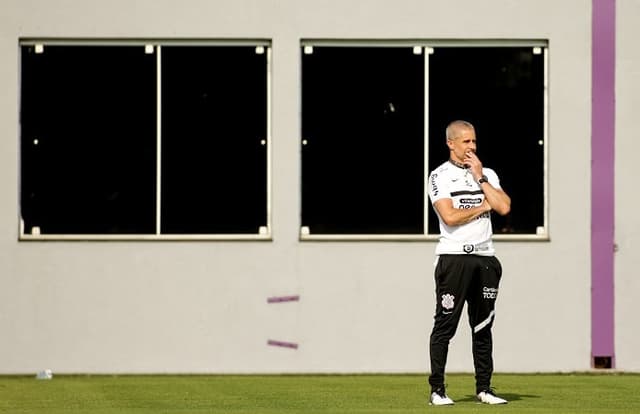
{"type": "Point", "coordinates": [447, 301]}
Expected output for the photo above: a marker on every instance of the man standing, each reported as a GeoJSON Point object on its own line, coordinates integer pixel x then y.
{"type": "Point", "coordinates": [463, 193]}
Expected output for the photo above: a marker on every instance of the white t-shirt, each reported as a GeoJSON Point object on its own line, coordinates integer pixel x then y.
{"type": "Point", "coordinates": [451, 181]}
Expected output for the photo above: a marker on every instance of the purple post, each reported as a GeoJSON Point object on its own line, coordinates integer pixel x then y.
{"type": "Point", "coordinates": [603, 44]}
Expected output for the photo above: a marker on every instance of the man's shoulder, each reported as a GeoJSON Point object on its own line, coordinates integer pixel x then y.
{"type": "Point", "coordinates": [442, 168]}
{"type": "Point", "coordinates": [439, 181]}
{"type": "Point", "coordinates": [489, 172]}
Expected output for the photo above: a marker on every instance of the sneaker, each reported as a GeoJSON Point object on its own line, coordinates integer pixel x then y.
{"type": "Point", "coordinates": [439, 397]}
{"type": "Point", "coordinates": [488, 397]}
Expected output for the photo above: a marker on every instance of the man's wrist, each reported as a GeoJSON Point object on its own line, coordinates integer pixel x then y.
{"type": "Point", "coordinates": [483, 179]}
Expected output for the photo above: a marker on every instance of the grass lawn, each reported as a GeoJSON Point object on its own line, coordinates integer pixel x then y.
{"type": "Point", "coordinates": [321, 394]}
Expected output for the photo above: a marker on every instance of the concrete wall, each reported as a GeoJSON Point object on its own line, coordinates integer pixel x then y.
{"type": "Point", "coordinates": [364, 306]}
{"type": "Point", "coordinates": [627, 224]}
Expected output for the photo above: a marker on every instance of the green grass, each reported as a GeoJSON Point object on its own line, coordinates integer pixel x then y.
{"type": "Point", "coordinates": [321, 394]}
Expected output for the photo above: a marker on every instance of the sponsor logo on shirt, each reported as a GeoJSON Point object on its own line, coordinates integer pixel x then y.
{"type": "Point", "coordinates": [471, 200]}
{"type": "Point", "coordinates": [434, 186]}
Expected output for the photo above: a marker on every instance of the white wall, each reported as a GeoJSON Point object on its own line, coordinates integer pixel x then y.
{"type": "Point", "coordinates": [627, 225]}
{"type": "Point", "coordinates": [365, 306]}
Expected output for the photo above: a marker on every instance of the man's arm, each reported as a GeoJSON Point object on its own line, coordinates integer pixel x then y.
{"type": "Point", "coordinates": [456, 216]}
{"type": "Point", "coordinates": [496, 197]}
{"type": "Point", "coordinates": [499, 201]}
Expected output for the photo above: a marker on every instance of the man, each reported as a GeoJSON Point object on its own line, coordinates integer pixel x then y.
{"type": "Point", "coordinates": [463, 194]}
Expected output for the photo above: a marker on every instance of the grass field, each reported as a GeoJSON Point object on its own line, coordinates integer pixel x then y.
{"type": "Point", "coordinates": [314, 394]}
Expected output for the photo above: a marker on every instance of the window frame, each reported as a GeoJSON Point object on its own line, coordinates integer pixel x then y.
{"type": "Point", "coordinates": [262, 46]}
{"type": "Point", "coordinates": [426, 48]}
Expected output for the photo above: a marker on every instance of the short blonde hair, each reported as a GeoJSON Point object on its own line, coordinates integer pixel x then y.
{"type": "Point", "coordinates": [454, 127]}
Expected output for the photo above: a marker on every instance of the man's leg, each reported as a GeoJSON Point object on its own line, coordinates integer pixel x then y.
{"type": "Point", "coordinates": [482, 358]}
{"type": "Point", "coordinates": [481, 299]}
{"type": "Point", "coordinates": [451, 285]}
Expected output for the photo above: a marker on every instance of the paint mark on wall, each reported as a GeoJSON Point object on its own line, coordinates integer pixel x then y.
{"type": "Point", "coordinates": [282, 344]}
{"type": "Point", "coordinates": [280, 299]}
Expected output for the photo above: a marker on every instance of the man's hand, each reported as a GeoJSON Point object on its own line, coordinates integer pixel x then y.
{"type": "Point", "coordinates": [497, 198]}
{"type": "Point", "coordinates": [474, 163]}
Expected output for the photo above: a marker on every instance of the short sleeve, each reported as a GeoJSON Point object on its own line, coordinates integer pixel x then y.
{"type": "Point", "coordinates": [438, 187]}
{"type": "Point", "coordinates": [492, 177]}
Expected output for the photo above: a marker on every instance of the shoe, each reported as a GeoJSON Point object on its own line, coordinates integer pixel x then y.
{"type": "Point", "coordinates": [439, 397]}
{"type": "Point", "coordinates": [488, 397]}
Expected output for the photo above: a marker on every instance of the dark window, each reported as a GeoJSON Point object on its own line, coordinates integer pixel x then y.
{"type": "Point", "coordinates": [214, 135]}
{"type": "Point", "coordinates": [363, 133]}
{"type": "Point", "coordinates": [90, 156]}
{"type": "Point", "coordinates": [88, 140]}
{"type": "Point", "coordinates": [500, 90]}
{"type": "Point", "coordinates": [363, 140]}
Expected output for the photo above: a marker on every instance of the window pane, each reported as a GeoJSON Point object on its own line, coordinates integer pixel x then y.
{"type": "Point", "coordinates": [501, 91]}
{"type": "Point", "coordinates": [88, 116]}
{"type": "Point", "coordinates": [214, 132]}
{"type": "Point", "coordinates": [363, 140]}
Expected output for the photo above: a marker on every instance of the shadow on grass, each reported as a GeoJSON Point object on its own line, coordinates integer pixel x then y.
{"type": "Point", "coordinates": [508, 397]}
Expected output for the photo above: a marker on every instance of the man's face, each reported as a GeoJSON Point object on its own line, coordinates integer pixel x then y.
{"type": "Point", "coordinates": [464, 142]}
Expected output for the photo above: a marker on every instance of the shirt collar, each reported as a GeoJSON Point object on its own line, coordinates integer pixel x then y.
{"type": "Point", "coordinates": [458, 164]}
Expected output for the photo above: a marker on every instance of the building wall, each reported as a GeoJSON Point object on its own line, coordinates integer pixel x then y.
{"type": "Point", "coordinates": [200, 307]}
{"type": "Point", "coordinates": [627, 222]}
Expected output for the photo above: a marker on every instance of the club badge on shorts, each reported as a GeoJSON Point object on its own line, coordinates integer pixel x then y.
{"type": "Point", "coordinates": [447, 301]}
